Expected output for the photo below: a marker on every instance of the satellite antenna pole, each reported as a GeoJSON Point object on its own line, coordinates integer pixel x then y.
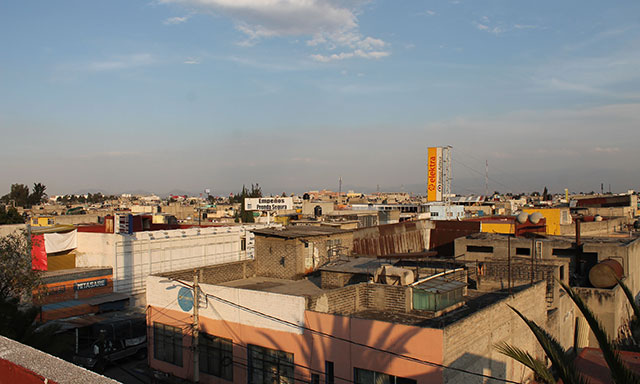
{"type": "Point", "coordinates": [486, 178]}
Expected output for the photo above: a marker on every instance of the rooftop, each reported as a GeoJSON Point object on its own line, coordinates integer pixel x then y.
{"type": "Point", "coordinates": [296, 232]}
{"type": "Point", "coordinates": [48, 367]}
{"type": "Point", "coordinates": [305, 287]}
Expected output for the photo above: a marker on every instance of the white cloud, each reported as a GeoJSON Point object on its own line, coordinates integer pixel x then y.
{"type": "Point", "coordinates": [329, 24]}
{"type": "Point", "coordinates": [191, 60]}
{"type": "Point", "coordinates": [607, 149]}
{"type": "Point", "coordinates": [120, 62]}
{"type": "Point", "coordinates": [176, 20]}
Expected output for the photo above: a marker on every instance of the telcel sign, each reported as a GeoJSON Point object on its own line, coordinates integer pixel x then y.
{"type": "Point", "coordinates": [267, 203]}
{"type": "Point", "coordinates": [434, 174]}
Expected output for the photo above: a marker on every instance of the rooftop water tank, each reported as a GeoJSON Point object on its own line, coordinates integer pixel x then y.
{"type": "Point", "coordinates": [603, 274]}
{"type": "Point", "coordinates": [535, 217]}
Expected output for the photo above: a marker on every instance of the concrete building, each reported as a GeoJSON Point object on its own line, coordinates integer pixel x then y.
{"type": "Point", "coordinates": [261, 329]}
{"type": "Point", "coordinates": [135, 256]}
{"type": "Point", "coordinates": [503, 258]}
{"type": "Point", "coordinates": [291, 253]}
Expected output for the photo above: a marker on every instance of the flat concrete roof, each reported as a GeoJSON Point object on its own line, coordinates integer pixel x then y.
{"type": "Point", "coordinates": [50, 277]}
{"type": "Point", "coordinates": [305, 287]}
{"type": "Point", "coordinates": [360, 265]}
{"type": "Point", "coordinates": [299, 231]}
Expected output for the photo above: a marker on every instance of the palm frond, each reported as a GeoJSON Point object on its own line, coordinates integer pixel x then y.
{"type": "Point", "coordinates": [619, 372]}
{"type": "Point", "coordinates": [563, 366]}
{"type": "Point", "coordinates": [632, 302]}
{"type": "Point", "coordinates": [525, 358]}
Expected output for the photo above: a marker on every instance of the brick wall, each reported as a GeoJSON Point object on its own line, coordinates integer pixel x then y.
{"type": "Point", "coordinates": [279, 258]}
{"type": "Point", "coordinates": [217, 274]}
{"type": "Point", "coordinates": [521, 273]}
{"type": "Point", "coordinates": [362, 297]}
{"type": "Point", "coordinates": [470, 343]}
{"type": "Point", "coordinates": [285, 258]}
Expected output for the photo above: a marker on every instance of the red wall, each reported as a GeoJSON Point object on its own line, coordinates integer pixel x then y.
{"type": "Point", "coordinates": [14, 373]}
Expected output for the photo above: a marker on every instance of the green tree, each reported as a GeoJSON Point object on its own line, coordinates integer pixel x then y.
{"type": "Point", "coordinates": [18, 318]}
{"type": "Point", "coordinates": [10, 216]}
{"type": "Point", "coordinates": [38, 195]}
{"type": "Point", "coordinates": [242, 215]}
{"type": "Point", "coordinates": [562, 361]}
{"type": "Point", "coordinates": [19, 194]}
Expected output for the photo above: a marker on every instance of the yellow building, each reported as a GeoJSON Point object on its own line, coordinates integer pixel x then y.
{"type": "Point", "coordinates": [43, 221]}
{"type": "Point", "coordinates": [555, 218]}
{"type": "Point", "coordinates": [506, 227]}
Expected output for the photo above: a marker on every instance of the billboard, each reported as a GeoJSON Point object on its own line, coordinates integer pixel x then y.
{"type": "Point", "coordinates": [267, 203]}
{"type": "Point", "coordinates": [434, 174]}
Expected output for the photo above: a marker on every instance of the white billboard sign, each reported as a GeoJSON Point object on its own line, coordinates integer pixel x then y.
{"type": "Point", "coordinates": [267, 203]}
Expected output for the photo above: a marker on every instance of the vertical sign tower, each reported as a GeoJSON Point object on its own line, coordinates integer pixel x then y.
{"type": "Point", "coordinates": [439, 174]}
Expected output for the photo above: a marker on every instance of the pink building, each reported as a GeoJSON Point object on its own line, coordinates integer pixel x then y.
{"type": "Point", "coordinates": [265, 330]}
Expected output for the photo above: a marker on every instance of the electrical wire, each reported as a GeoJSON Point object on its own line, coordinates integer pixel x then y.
{"type": "Point", "coordinates": [324, 334]}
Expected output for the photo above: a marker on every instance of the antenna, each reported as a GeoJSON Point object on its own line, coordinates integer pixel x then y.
{"type": "Point", "coordinates": [447, 174]}
{"type": "Point", "coordinates": [486, 177]}
{"type": "Point", "coordinates": [340, 186]}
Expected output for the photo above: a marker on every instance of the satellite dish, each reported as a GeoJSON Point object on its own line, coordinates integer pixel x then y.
{"type": "Point", "coordinates": [535, 217]}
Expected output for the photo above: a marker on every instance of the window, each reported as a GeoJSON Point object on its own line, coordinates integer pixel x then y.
{"type": "Point", "coordinates": [269, 366]}
{"type": "Point", "coordinates": [167, 343]}
{"type": "Point", "coordinates": [328, 372]}
{"type": "Point", "coordinates": [434, 214]}
{"type": "Point", "coordinates": [216, 356]}
{"type": "Point", "coordinates": [315, 378]}
{"type": "Point", "coordinates": [243, 244]}
{"type": "Point", "coordinates": [479, 248]}
{"type": "Point", "coordinates": [363, 376]}
{"type": "Point", "coordinates": [50, 222]}
{"type": "Point", "coordinates": [523, 251]}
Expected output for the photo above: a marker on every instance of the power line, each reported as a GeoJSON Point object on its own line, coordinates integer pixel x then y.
{"type": "Point", "coordinates": [409, 358]}
{"type": "Point", "coordinates": [324, 334]}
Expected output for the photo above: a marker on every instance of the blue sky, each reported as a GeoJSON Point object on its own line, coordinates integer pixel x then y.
{"type": "Point", "coordinates": [293, 94]}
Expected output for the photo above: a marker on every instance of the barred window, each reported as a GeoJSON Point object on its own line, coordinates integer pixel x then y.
{"type": "Point", "coordinates": [364, 376]}
{"type": "Point", "coordinates": [269, 366]}
{"type": "Point", "coordinates": [167, 343]}
{"type": "Point", "coordinates": [216, 356]}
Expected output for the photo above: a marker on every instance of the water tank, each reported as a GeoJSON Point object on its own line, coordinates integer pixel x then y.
{"type": "Point", "coordinates": [603, 274]}
{"type": "Point", "coordinates": [597, 218]}
{"type": "Point", "coordinates": [535, 217]}
{"type": "Point", "coordinates": [522, 217]}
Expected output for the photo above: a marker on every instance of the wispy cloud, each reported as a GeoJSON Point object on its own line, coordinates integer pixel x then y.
{"type": "Point", "coordinates": [607, 149]}
{"type": "Point", "coordinates": [176, 20]}
{"type": "Point", "coordinates": [497, 28]}
{"type": "Point", "coordinates": [191, 60]}
{"type": "Point", "coordinates": [327, 24]}
{"type": "Point", "coordinates": [120, 62]}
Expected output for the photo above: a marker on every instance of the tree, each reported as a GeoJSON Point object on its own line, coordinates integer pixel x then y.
{"type": "Point", "coordinates": [242, 215]}
{"type": "Point", "coordinates": [38, 195]}
{"type": "Point", "coordinates": [18, 319]}
{"type": "Point", "coordinates": [17, 279]}
{"type": "Point", "coordinates": [561, 360]}
{"type": "Point", "coordinates": [19, 195]}
{"type": "Point", "coordinates": [10, 216]}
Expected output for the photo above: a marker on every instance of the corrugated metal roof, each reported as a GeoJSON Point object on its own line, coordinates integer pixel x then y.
{"type": "Point", "coordinates": [299, 231]}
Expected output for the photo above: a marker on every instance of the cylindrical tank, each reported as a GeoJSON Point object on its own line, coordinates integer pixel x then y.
{"type": "Point", "coordinates": [522, 217]}
{"type": "Point", "coordinates": [535, 217]}
{"type": "Point", "coordinates": [603, 274]}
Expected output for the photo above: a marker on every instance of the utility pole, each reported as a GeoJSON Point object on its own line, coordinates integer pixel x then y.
{"type": "Point", "coordinates": [196, 329]}
{"type": "Point", "coordinates": [509, 261]}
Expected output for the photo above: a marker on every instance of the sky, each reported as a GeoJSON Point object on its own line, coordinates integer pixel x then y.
{"type": "Point", "coordinates": [182, 95]}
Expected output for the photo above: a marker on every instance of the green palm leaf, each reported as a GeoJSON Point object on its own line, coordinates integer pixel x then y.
{"type": "Point", "coordinates": [559, 360]}
{"type": "Point", "coordinates": [525, 358]}
{"type": "Point", "coordinates": [619, 372]}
